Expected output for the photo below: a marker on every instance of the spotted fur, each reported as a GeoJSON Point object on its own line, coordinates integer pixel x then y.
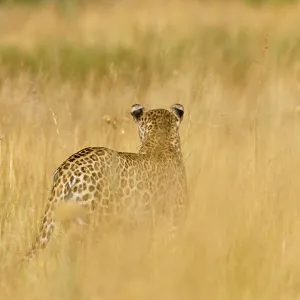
{"type": "Point", "coordinates": [119, 183]}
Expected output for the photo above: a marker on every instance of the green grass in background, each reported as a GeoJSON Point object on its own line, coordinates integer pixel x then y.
{"type": "Point", "coordinates": [149, 56]}
{"type": "Point", "coordinates": [72, 3]}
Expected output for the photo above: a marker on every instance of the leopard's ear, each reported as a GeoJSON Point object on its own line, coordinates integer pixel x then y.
{"type": "Point", "coordinates": [178, 110]}
{"type": "Point", "coordinates": [137, 111]}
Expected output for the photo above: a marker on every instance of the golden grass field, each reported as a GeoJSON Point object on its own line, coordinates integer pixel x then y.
{"type": "Point", "coordinates": [236, 71]}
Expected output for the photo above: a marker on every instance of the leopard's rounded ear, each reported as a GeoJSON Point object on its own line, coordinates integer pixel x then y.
{"type": "Point", "coordinates": [178, 110]}
{"type": "Point", "coordinates": [136, 111]}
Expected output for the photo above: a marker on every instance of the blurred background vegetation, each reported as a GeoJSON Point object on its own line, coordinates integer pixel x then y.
{"type": "Point", "coordinates": [75, 2]}
{"type": "Point", "coordinates": [147, 49]}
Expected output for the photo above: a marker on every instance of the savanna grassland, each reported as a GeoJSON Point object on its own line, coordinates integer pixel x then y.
{"type": "Point", "coordinates": [68, 76]}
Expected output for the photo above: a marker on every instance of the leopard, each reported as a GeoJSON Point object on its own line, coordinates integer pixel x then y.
{"type": "Point", "coordinates": [151, 182]}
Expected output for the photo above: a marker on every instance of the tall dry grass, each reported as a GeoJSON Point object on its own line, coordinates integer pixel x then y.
{"type": "Point", "coordinates": [240, 139]}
